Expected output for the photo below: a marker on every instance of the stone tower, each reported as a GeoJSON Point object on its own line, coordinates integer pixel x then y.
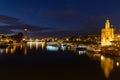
{"type": "Point", "coordinates": [107, 34]}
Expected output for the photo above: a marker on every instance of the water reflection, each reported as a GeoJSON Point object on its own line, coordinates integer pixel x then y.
{"type": "Point", "coordinates": [1, 51]}
{"type": "Point", "coordinates": [117, 64]}
{"type": "Point", "coordinates": [6, 50]}
{"type": "Point", "coordinates": [37, 44]}
{"type": "Point", "coordinates": [25, 48]}
{"type": "Point", "coordinates": [107, 64]}
{"type": "Point", "coordinates": [33, 44]}
{"type": "Point", "coordinates": [52, 48]}
{"type": "Point", "coordinates": [12, 50]}
{"type": "Point", "coordinates": [43, 45]}
{"type": "Point", "coordinates": [30, 45]}
{"type": "Point", "coordinates": [81, 50]}
{"type": "Point", "coordinates": [63, 47]}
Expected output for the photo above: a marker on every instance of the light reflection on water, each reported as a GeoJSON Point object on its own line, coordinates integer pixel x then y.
{"type": "Point", "coordinates": [110, 64]}
{"type": "Point", "coordinates": [107, 64]}
{"type": "Point", "coordinates": [34, 44]}
{"type": "Point", "coordinates": [43, 45]}
{"type": "Point", "coordinates": [25, 48]}
{"type": "Point", "coordinates": [31, 45]}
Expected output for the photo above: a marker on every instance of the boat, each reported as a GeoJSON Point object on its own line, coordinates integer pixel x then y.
{"type": "Point", "coordinates": [81, 49]}
{"type": "Point", "coordinates": [52, 46]}
{"type": "Point", "coordinates": [63, 46]}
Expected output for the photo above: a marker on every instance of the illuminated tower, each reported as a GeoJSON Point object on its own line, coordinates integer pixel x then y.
{"type": "Point", "coordinates": [107, 34]}
{"type": "Point", "coordinates": [25, 34]}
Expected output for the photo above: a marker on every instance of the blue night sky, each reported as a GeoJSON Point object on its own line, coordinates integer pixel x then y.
{"type": "Point", "coordinates": [41, 16]}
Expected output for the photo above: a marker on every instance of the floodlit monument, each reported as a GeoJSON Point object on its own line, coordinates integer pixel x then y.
{"type": "Point", "coordinates": [107, 34]}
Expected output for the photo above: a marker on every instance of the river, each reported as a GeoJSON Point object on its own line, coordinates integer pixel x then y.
{"type": "Point", "coordinates": [36, 61]}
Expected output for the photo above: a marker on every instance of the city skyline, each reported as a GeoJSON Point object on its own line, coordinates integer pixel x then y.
{"type": "Point", "coordinates": [51, 16]}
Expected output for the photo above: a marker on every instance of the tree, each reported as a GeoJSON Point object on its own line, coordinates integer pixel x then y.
{"type": "Point", "coordinates": [18, 37]}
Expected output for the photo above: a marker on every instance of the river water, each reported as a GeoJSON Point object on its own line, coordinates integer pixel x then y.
{"type": "Point", "coordinates": [36, 61]}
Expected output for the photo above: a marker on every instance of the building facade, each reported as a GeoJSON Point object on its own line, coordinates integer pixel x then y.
{"type": "Point", "coordinates": [107, 34]}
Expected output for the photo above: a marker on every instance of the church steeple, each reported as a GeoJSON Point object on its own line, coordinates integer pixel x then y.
{"type": "Point", "coordinates": [107, 24]}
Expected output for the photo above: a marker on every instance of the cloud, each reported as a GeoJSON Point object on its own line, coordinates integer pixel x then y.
{"type": "Point", "coordinates": [13, 25]}
{"type": "Point", "coordinates": [8, 19]}
{"type": "Point", "coordinates": [85, 25]}
{"type": "Point", "coordinates": [20, 28]}
{"type": "Point", "coordinates": [5, 31]}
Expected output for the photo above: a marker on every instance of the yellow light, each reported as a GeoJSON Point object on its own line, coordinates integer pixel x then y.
{"type": "Point", "coordinates": [6, 50]}
{"type": "Point", "coordinates": [102, 57]}
{"type": "Point", "coordinates": [107, 64]}
{"type": "Point", "coordinates": [118, 36]}
{"type": "Point", "coordinates": [6, 40]}
{"type": "Point", "coordinates": [13, 49]}
{"type": "Point", "coordinates": [30, 45]}
{"type": "Point", "coordinates": [117, 64]}
{"type": "Point", "coordinates": [67, 39]}
{"type": "Point", "coordinates": [36, 40]}
{"type": "Point", "coordinates": [23, 39]}
{"type": "Point", "coordinates": [107, 34]}
{"type": "Point", "coordinates": [31, 39]}
{"type": "Point", "coordinates": [43, 45]}
{"type": "Point", "coordinates": [110, 43]}
{"type": "Point", "coordinates": [36, 45]}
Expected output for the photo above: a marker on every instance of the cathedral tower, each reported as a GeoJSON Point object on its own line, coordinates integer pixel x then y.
{"type": "Point", "coordinates": [107, 34]}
